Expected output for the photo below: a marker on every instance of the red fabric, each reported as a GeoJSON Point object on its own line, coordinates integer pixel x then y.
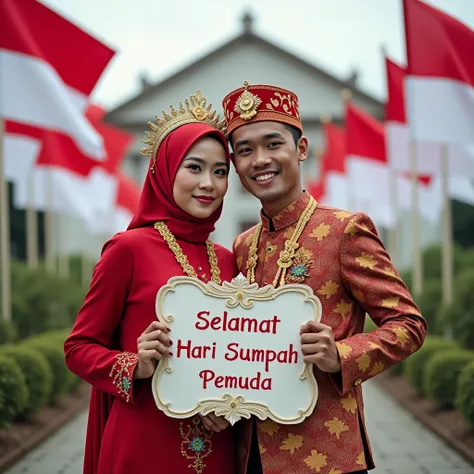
{"type": "Point", "coordinates": [31, 28]}
{"type": "Point", "coordinates": [157, 202]}
{"type": "Point", "coordinates": [101, 349]}
{"type": "Point", "coordinates": [395, 106]}
{"type": "Point", "coordinates": [277, 105]}
{"type": "Point", "coordinates": [437, 44]}
{"type": "Point", "coordinates": [365, 136]}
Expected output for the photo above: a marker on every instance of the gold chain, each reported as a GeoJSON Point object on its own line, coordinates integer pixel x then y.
{"type": "Point", "coordinates": [286, 256]}
{"type": "Point", "coordinates": [181, 258]}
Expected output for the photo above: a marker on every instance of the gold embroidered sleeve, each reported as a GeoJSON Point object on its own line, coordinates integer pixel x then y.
{"type": "Point", "coordinates": [368, 273]}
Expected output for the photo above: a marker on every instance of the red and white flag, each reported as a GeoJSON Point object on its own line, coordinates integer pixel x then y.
{"type": "Point", "coordinates": [367, 166]}
{"type": "Point", "coordinates": [427, 155]}
{"type": "Point", "coordinates": [336, 180]}
{"type": "Point", "coordinates": [66, 180]}
{"type": "Point", "coordinates": [49, 68]}
{"type": "Point", "coordinates": [440, 75]}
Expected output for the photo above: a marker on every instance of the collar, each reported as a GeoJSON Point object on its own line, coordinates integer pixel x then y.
{"type": "Point", "coordinates": [287, 216]}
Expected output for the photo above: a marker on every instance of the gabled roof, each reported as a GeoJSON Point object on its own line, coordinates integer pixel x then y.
{"type": "Point", "coordinates": [247, 36]}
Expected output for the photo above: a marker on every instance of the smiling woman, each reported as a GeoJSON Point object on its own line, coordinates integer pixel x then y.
{"type": "Point", "coordinates": [201, 181]}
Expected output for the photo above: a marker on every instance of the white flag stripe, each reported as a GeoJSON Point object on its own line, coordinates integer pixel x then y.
{"type": "Point", "coordinates": [440, 110]}
{"type": "Point", "coordinates": [45, 101]}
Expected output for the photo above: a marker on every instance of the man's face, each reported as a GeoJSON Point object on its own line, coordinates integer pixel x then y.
{"type": "Point", "coordinates": [267, 161]}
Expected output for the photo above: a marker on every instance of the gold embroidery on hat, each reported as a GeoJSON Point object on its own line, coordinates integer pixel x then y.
{"type": "Point", "coordinates": [247, 104]}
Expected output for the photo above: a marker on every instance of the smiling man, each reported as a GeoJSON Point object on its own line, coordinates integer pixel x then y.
{"type": "Point", "coordinates": [340, 256]}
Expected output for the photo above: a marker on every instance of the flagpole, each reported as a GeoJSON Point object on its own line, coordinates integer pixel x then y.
{"type": "Point", "coordinates": [417, 261]}
{"type": "Point", "coordinates": [6, 308]}
{"type": "Point", "coordinates": [49, 224]}
{"type": "Point", "coordinates": [31, 225]}
{"type": "Point", "coordinates": [393, 234]}
{"type": "Point", "coordinates": [447, 221]}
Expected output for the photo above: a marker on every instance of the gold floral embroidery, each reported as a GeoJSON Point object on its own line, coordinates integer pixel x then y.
{"type": "Point", "coordinates": [391, 302]}
{"type": "Point", "coordinates": [402, 335]}
{"type": "Point", "coordinates": [372, 345]}
{"type": "Point", "coordinates": [343, 307]}
{"type": "Point", "coordinates": [344, 349]}
{"type": "Point", "coordinates": [335, 471]}
{"type": "Point", "coordinates": [261, 448]}
{"type": "Point", "coordinates": [248, 239]}
{"type": "Point", "coordinates": [328, 289]}
{"type": "Point", "coordinates": [196, 444]}
{"type": "Point", "coordinates": [358, 295]}
{"type": "Point", "coordinates": [269, 427]}
{"type": "Point", "coordinates": [316, 461]}
{"type": "Point", "coordinates": [240, 261]}
{"type": "Point", "coordinates": [122, 376]}
{"type": "Point", "coordinates": [361, 459]}
{"type": "Point", "coordinates": [366, 261]}
{"type": "Point", "coordinates": [341, 215]}
{"type": "Point", "coordinates": [336, 426]}
{"type": "Point", "coordinates": [351, 228]}
{"type": "Point", "coordinates": [363, 362]}
{"type": "Point", "coordinates": [238, 241]}
{"type": "Point", "coordinates": [390, 272]}
{"type": "Point", "coordinates": [349, 404]}
{"type": "Point", "coordinates": [292, 443]}
{"type": "Point", "coordinates": [320, 232]}
{"type": "Point", "coordinates": [377, 369]}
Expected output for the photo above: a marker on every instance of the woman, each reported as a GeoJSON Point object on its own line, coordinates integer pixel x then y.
{"type": "Point", "coordinates": [117, 341]}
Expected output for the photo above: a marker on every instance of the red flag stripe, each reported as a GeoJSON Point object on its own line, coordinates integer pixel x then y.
{"type": "Point", "coordinates": [335, 138]}
{"type": "Point", "coordinates": [365, 136]}
{"type": "Point", "coordinates": [395, 106]}
{"type": "Point", "coordinates": [437, 44]}
{"type": "Point", "coordinates": [128, 193]}
{"type": "Point", "coordinates": [79, 61]}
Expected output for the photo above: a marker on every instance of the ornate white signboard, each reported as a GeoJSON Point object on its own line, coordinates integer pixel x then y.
{"type": "Point", "coordinates": [236, 350]}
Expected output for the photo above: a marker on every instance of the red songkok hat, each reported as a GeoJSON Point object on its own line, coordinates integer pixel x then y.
{"type": "Point", "coordinates": [259, 103]}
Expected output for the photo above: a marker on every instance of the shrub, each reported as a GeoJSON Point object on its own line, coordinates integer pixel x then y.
{"type": "Point", "coordinates": [42, 301]}
{"type": "Point", "coordinates": [54, 353]}
{"type": "Point", "coordinates": [13, 391]}
{"type": "Point", "coordinates": [8, 332]}
{"type": "Point", "coordinates": [465, 393]}
{"type": "Point", "coordinates": [37, 372]}
{"type": "Point", "coordinates": [430, 302]}
{"type": "Point", "coordinates": [461, 313]}
{"type": "Point", "coordinates": [441, 376]}
{"type": "Point", "coordinates": [415, 365]}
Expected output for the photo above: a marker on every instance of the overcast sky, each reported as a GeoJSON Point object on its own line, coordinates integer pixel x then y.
{"type": "Point", "coordinates": [157, 38]}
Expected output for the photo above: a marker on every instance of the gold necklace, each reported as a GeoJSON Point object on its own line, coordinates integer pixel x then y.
{"type": "Point", "coordinates": [181, 258]}
{"type": "Point", "coordinates": [286, 256]}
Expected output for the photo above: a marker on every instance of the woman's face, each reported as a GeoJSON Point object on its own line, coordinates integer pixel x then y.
{"type": "Point", "coordinates": [202, 179]}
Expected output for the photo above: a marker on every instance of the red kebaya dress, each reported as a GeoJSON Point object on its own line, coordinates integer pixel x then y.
{"type": "Point", "coordinates": [127, 433]}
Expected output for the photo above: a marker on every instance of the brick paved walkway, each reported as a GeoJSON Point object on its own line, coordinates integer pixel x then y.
{"type": "Point", "coordinates": [401, 444]}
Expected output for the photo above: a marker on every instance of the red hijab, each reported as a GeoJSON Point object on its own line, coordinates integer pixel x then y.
{"type": "Point", "coordinates": [157, 202]}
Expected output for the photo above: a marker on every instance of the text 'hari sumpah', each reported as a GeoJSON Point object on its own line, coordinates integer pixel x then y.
{"type": "Point", "coordinates": [234, 352]}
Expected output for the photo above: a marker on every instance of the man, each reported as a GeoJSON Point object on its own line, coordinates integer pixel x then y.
{"type": "Point", "coordinates": [340, 256]}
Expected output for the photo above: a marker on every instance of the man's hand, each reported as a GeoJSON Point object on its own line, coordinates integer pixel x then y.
{"type": "Point", "coordinates": [319, 348]}
{"type": "Point", "coordinates": [214, 423]}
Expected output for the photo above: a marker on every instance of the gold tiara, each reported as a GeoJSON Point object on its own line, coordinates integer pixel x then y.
{"type": "Point", "coordinates": [195, 112]}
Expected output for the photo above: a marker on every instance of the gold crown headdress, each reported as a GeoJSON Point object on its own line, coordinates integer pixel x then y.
{"type": "Point", "coordinates": [195, 112]}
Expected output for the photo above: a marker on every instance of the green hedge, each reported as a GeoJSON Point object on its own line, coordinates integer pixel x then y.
{"type": "Point", "coordinates": [54, 353]}
{"type": "Point", "coordinates": [465, 393]}
{"type": "Point", "coordinates": [415, 365]}
{"type": "Point", "coordinates": [13, 391]}
{"type": "Point", "coordinates": [440, 382]}
{"type": "Point", "coordinates": [38, 375]}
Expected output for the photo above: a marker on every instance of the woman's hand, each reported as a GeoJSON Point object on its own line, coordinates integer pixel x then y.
{"type": "Point", "coordinates": [214, 423]}
{"type": "Point", "coordinates": [152, 345]}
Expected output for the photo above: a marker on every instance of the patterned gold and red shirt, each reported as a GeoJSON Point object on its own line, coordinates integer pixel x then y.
{"type": "Point", "coordinates": [342, 258]}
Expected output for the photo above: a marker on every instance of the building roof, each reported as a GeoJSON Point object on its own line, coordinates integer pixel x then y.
{"type": "Point", "coordinates": [246, 36]}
